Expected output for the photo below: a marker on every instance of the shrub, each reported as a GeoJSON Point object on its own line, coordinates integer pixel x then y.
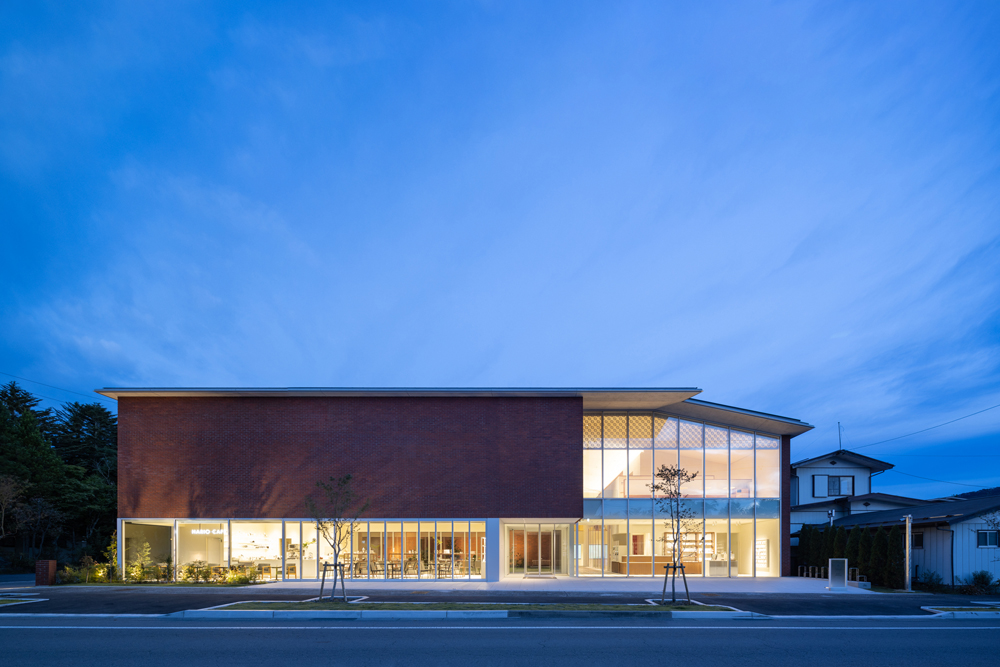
{"type": "Point", "coordinates": [196, 572]}
{"type": "Point", "coordinates": [929, 581]}
{"type": "Point", "coordinates": [69, 575]}
{"type": "Point", "coordinates": [980, 583]}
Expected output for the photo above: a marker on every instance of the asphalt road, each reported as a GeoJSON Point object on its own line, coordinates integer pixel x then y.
{"type": "Point", "coordinates": [30, 643]}
{"type": "Point", "coordinates": [99, 600]}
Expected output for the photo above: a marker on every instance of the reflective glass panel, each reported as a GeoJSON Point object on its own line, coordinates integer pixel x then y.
{"type": "Point", "coordinates": [716, 462]}
{"type": "Point", "coordinates": [640, 473]}
{"type": "Point", "coordinates": [461, 548]}
{"type": "Point", "coordinates": [258, 545]}
{"type": "Point", "coordinates": [717, 551]}
{"type": "Point", "coordinates": [445, 550]}
{"type": "Point", "coordinates": [411, 563]}
{"type": "Point", "coordinates": [615, 471]}
{"type": "Point", "coordinates": [640, 545]}
{"type": "Point", "coordinates": [148, 550]}
{"type": "Point", "coordinates": [741, 537]}
{"type": "Point", "coordinates": [665, 433]}
{"type": "Point", "coordinates": [589, 547]}
{"type": "Point", "coordinates": [640, 431]}
{"type": "Point", "coordinates": [615, 431]}
{"type": "Point", "coordinates": [293, 550]}
{"type": "Point", "coordinates": [691, 458]}
{"type": "Point", "coordinates": [616, 539]}
{"type": "Point", "coordinates": [741, 464]}
{"type": "Point", "coordinates": [592, 473]}
{"type": "Point", "coordinates": [477, 537]}
{"type": "Point", "coordinates": [592, 431]}
{"type": "Point", "coordinates": [310, 550]}
{"type": "Point", "coordinates": [428, 550]}
{"type": "Point", "coordinates": [768, 467]}
{"type": "Point", "coordinates": [393, 550]}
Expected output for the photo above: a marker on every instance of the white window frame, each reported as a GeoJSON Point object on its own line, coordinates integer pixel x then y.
{"type": "Point", "coordinates": [996, 539]}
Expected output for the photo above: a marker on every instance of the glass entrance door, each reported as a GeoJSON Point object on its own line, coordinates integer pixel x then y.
{"type": "Point", "coordinates": [537, 549]}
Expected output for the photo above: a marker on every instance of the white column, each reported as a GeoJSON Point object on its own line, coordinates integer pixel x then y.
{"type": "Point", "coordinates": [121, 548]}
{"type": "Point", "coordinates": [494, 549]}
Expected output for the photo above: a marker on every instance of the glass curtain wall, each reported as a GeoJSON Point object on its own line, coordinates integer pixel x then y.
{"type": "Point", "coordinates": [395, 549]}
{"type": "Point", "coordinates": [148, 550]}
{"type": "Point", "coordinates": [258, 545]}
{"type": "Point", "coordinates": [722, 533]}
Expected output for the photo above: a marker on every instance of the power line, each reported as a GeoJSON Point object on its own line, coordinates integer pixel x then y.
{"type": "Point", "coordinates": [943, 481]}
{"type": "Point", "coordinates": [952, 456]}
{"type": "Point", "coordinates": [927, 429]}
{"type": "Point", "coordinates": [91, 396]}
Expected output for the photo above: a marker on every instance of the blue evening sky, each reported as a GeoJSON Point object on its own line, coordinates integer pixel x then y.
{"type": "Point", "coordinates": [791, 205]}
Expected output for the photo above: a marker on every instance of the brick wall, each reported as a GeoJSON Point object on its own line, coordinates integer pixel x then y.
{"type": "Point", "coordinates": [248, 457]}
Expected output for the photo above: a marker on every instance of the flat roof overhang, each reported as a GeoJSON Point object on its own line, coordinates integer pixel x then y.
{"type": "Point", "coordinates": [675, 400]}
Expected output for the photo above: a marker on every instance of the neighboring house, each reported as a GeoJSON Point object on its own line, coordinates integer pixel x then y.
{"type": "Point", "coordinates": [836, 485]}
{"type": "Point", "coordinates": [951, 537]}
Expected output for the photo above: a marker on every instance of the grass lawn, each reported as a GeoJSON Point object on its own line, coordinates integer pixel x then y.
{"type": "Point", "coordinates": [983, 608]}
{"type": "Point", "coordinates": [338, 605]}
{"type": "Point", "coordinates": [11, 601]}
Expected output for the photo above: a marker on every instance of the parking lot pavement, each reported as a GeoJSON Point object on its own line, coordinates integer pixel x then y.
{"type": "Point", "coordinates": [166, 600]}
{"type": "Point", "coordinates": [83, 600]}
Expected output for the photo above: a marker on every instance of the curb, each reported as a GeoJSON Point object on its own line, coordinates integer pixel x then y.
{"type": "Point", "coordinates": [467, 614]}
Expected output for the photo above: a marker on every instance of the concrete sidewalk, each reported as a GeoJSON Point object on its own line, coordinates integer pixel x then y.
{"type": "Point", "coordinates": [580, 585]}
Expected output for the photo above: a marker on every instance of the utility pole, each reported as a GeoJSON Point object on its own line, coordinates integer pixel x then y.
{"type": "Point", "coordinates": [840, 440]}
{"type": "Point", "coordinates": [909, 534]}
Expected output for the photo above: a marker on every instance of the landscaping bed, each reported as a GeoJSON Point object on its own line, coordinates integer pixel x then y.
{"type": "Point", "coordinates": [460, 606]}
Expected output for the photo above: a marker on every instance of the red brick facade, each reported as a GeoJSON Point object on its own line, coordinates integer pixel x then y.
{"type": "Point", "coordinates": [253, 457]}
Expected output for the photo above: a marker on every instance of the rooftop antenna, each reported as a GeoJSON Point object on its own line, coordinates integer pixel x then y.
{"type": "Point", "coordinates": [840, 441]}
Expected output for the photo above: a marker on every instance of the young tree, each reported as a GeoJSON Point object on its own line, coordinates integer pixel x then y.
{"type": "Point", "coordinates": [680, 518]}
{"type": "Point", "coordinates": [338, 507]}
{"type": "Point", "coordinates": [895, 563]}
{"type": "Point", "coordinates": [840, 543]}
{"type": "Point", "coordinates": [865, 543]}
{"type": "Point", "coordinates": [880, 556]}
{"type": "Point", "coordinates": [851, 551]}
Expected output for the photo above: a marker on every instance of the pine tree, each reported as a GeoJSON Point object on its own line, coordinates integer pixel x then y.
{"type": "Point", "coordinates": [851, 551]}
{"type": "Point", "coordinates": [840, 543]}
{"type": "Point", "coordinates": [877, 563]}
{"type": "Point", "coordinates": [86, 435]}
{"type": "Point", "coordinates": [895, 563]}
{"type": "Point", "coordinates": [21, 403]}
{"type": "Point", "coordinates": [865, 543]}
